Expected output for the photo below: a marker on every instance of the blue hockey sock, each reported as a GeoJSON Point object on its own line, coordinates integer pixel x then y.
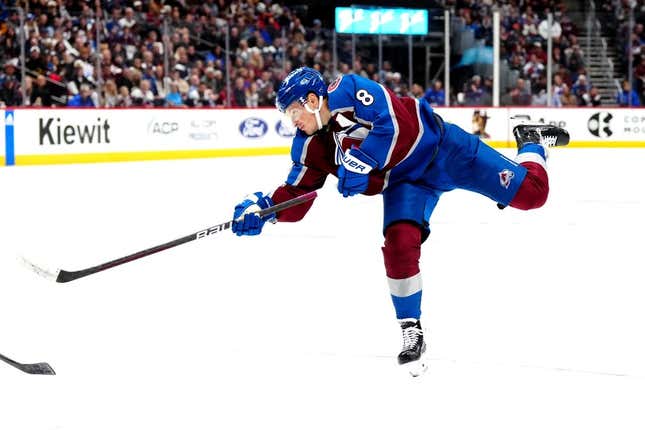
{"type": "Point", "coordinates": [407, 307]}
{"type": "Point", "coordinates": [534, 148]}
{"type": "Point", "coordinates": [533, 152]}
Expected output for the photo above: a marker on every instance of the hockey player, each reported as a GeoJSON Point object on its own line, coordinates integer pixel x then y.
{"type": "Point", "coordinates": [376, 143]}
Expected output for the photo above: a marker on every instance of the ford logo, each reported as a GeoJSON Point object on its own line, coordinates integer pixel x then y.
{"type": "Point", "coordinates": [284, 129]}
{"type": "Point", "coordinates": [253, 128]}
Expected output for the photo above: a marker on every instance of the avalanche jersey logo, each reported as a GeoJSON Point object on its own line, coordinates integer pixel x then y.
{"type": "Point", "coordinates": [334, 84]}
{"type": "Point", "coordinates": [505, 177]}
{"type": "Point", "coordinates": [352, 134]}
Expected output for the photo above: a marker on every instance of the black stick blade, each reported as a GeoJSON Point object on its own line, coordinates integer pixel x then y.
{"type": "Point", "coordinates": [31, 368]}
{"type": "Point", "coordinates": [38, 369]}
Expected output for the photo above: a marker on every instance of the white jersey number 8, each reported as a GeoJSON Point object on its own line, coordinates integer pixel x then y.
{"type": "Point", "coordinates": [364, 97]}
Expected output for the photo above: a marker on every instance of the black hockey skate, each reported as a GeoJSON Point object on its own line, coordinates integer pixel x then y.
{"type": "Point", "coordinates": [411, 356]}
{"type": "Point", "coordinates": [543, 134]}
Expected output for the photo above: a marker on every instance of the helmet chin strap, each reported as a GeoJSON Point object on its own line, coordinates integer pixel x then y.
{"type": "Point", "coordinates": [316, 112]}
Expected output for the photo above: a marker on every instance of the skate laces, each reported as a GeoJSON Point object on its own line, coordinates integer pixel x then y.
{"type": "Point", "coordinates": [546, 139]}
{"type": "Point", "coordinates": [411, 335]}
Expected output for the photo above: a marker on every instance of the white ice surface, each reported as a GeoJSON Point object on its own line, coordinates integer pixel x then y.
{"type": "Point", "coordinates": [536, 320]}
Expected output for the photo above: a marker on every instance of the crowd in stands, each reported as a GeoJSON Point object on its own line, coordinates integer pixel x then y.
{"type": "Point", "coordinates": [616, 20]}
{"type": "Point", "coordinates": [524, 50]}
{"type": "Point", "coordinates": [64, 37]}
{"type": "Point", "coordinates": [172, 53]}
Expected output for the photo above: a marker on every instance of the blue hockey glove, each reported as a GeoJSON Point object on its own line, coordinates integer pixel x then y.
{"type": "Point", "coordinates": [353, 172]}
{"type": "Point", "coordinates": [247, 223]}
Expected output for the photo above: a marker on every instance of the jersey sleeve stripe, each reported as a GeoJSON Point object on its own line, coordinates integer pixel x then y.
{"type": "Point", "coordinates": [386, 179]}
{"type": "Point", "coordinates": [305, 147]}
{"type": "Point", "coordinates": [395, 125]}
{"type": "Point", "coordinates": [296, 174]}
{"type": "Point", "coordinates": [421, 130]}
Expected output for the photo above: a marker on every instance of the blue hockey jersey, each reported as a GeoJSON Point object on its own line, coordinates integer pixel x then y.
{"type": "Point", "coordinates": [401, 134]}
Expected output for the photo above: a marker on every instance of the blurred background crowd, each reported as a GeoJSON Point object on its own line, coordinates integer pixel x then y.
{"type": "Point", "coordinates": [122, 53]}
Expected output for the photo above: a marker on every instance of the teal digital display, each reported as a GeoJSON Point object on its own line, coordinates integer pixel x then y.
{"type": "Point", "coordinates": [381, 21]}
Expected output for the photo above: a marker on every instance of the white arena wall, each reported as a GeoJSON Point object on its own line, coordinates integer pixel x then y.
{"type": "Point", "coordinates": [31, 136]}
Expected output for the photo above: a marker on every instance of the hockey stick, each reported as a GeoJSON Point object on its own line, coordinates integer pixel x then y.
{"type": "Point", "coordinates": [66, 275]}
{"type": "Point", "coordinates": [33, 369]}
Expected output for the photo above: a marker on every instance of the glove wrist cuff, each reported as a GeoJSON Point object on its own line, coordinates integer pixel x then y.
{"type": "Point", "coordinates": [268, 202]}
{"type": "Point", "coordinates": [355, 160]}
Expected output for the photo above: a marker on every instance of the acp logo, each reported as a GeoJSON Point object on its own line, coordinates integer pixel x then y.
{"type": "Point", "coordinates": [253, 128]}
{"type": "Point", "coordinates": [599, 124]}
{"type": "Point", "coordinates": [284, 129]}
{"type": "Point", "coordinates": [162, 127]}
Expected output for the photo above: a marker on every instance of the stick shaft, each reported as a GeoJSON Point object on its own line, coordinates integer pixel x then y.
{"type": "Point", "coordinates": [67, 276]}
{"type": "Point", "coordinates": [9, 361]}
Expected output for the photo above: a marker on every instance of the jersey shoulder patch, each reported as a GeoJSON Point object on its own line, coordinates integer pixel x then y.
{"type": "Point", "coordinates": [334, 84]}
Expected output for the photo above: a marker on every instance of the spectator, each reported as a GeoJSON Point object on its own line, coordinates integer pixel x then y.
{"type": "Point", "coordinates": [252, 96]}
{"type": "Point", "coordinates": [124, 97]}
{"type": "Point", "coordinates": [137, 97]}
{"type": "Point", "coordinates": [78, 79]}
{"type": "Point", "coordinates": [568, 99]}
{"type": "Point", "coordinates": [558, 59]}
{"type": "Point", "coordinates": [125, 78]}
{"type": "Point", "coordinates": [592, 98]}
{"type": "Point", "coordinates": [533, 68]}
{"type": "Point", "coordinates": [639, 75]}
{"type": "Point", "coordinates": [474, 93]}
{"type": "Point", "coordinates": [111, 96]}
{"type": "Point", "coordinates": [396, 85]}
{"type": "Point", "coordinates": [128, 21]}
{"type": "Point", "coordinates": [209, 78]}
{"type": "Point", "coordinates": [9, 46]}
{"type": "Point", "coordinates": [416, 91]}
{"type": "Point", "coordinates": [193, 90]}
{"type": "Point", "coordinates": [36, 63]}
{"type": "Point", "coordinates": [519, 95]}
{"type": "Point", "coordinates": [557, 90]}
{"type": "Point", "coordinates": [267, 96]}
{"type": "Point", "coordinates": [10, 93]}
{"type": "Point", "coordinates": [146, 91]}
{"type": "Point", "coordinates": [239, 93]}
{"type": "Point", "coordinates": [206, 96]}
{"type": "Point", "coordinates": [83, 98]}
{"type": "Point", "coordinates": [385, 69]}
{"type": "Point", "coordinates": [436, 95]}
{"type": "Point", "coordinates": [173, 98]}
{"type": "Point", "coordinates": [9, 70]}
{"type": "Point", "coordinates": [317, 33]}
{"type": "Point", "coordinates": [573, 57]}
{"type": "Point", "coordinates": [539, 98]}
{"type": "Point", "coordinates": [627, 97]}
{"type": "Point", "coordinates": [530, 27]}
{"type": "Point", "coordinates": [580, 87]}
{"type": "Point", "coordinates": [40, 93]}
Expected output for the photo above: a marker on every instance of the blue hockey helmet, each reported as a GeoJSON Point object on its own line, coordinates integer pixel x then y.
{"type": "Point", "coordinates": [297, 85]}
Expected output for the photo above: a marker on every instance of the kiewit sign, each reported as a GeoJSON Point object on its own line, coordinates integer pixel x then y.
{"type": "Point", "coordinates": [56, 131]}
{"type": "Point", "coordinates": [50, 136]}
{"type": "Point", "coordinates": [46, 136]}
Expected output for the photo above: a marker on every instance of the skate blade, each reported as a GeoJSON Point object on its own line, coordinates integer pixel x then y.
{"type": "Point", "coordinates": [416, 368]}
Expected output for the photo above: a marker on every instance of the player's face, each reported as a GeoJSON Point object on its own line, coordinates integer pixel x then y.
{"type": "Point", "coordinates": [300, 118]}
